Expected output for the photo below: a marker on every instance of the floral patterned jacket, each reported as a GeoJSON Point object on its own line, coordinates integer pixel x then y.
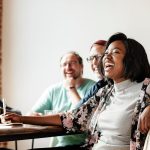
{"type": "Point", "coordinates": [85, 117]}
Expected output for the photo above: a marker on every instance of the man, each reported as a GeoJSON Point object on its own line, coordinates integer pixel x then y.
{"type": "Point", "coordinates": [66, 95]}
{"type": "Point", "coordinates": [96, 52]}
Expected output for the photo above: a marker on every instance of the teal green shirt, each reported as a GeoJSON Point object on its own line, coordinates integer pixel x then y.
{"type": "Point", "coordinates": [56, 98]}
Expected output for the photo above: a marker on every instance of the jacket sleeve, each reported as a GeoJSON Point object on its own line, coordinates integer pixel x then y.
{"type": "Point", "coordinates": [79, 118]}
{"type": "Point", "coordinates": [92, 91]}
{"type": "Point", "coordinates": [138, 138]}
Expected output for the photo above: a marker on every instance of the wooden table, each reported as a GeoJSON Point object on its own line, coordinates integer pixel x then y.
{"type": "Point", "coordinates": [26, 131]}
{"type": "Point", "coordinates": [12, 133]}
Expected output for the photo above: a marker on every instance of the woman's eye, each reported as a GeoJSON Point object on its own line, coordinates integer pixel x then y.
{"type": "Point", "coordinates": [115, 51]}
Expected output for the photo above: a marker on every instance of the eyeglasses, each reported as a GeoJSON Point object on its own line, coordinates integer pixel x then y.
{"type": "Point", "coordinates": [96, 57]}
{"type": "Point", "coordinates": [71, 63]}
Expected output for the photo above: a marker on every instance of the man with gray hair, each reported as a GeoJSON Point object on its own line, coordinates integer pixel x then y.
{"type": "Point", "coordinates": [66, 95]}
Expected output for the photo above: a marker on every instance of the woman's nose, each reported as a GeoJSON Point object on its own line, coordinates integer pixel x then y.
{"type": "Point", "coordinates": [108, 55]}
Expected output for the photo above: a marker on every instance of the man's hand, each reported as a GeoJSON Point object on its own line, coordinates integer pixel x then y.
{"type": "Point", "coordinates": [69, 83]}
{"type": "Point", "coordinates": [144, 120]}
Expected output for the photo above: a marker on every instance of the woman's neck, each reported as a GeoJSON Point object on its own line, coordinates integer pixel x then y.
{"type": "Point", "coordinates": [119, 80]}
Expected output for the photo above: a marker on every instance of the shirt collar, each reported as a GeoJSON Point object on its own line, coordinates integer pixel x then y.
{"type": "Point", "coordinates": [122, 85]}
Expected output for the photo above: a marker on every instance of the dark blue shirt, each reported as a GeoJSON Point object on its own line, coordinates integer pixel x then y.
{"type": "Point", "coordinates": [92, 91]}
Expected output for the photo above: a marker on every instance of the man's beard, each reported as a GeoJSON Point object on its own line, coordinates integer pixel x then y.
{"type": "Point", "coordinates": [74, 77]}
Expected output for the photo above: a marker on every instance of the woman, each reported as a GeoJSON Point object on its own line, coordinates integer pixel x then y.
{"type": "Point", "coordinates": [111, 116]}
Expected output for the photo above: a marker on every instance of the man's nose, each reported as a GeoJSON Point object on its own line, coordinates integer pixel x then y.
{"type": "Point", "coordinates": [95, 61]}
{"type": "Point", "coordinates": [68, 65]}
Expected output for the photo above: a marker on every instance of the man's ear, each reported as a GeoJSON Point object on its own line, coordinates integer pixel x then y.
{"type": "Point", "coordinates": [82, 68]}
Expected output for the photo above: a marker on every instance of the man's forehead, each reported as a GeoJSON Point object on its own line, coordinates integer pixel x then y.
{"type": "Point", "coordinates": [69, 57]}
{"type": "Point", "coordinates": [93, 53]}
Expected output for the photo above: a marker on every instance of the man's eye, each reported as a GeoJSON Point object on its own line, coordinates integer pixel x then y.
{"type": "Point", "coordinates": [64, 64]}
{"type": "Point", "coordinates": [106, 53]}
{"type": "Point", "coordinates": [91, 57]}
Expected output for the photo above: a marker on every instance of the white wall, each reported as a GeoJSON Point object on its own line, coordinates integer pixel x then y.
{"type": "Point", "coordinates": [37, 32]}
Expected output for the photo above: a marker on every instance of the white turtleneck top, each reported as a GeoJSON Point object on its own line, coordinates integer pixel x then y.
{"type": "Point", "coordinates": [115, 121]}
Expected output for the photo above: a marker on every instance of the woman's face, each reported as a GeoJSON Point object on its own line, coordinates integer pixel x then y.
{"type": "Point", "coordinates": [113, 61]}
{"type": "Point", "coordinates": [95, 54]}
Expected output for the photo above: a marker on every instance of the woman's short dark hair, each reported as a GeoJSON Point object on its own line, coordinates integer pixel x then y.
{"type": "Point", "coordinates": [136, 64]}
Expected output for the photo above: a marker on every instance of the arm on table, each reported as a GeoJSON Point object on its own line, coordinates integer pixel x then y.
{"type": "Point", "coordinates": [36, 120]}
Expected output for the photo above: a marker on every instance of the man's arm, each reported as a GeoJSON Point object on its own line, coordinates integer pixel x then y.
{"type": "Point", "coordinates": [74, 95]}
{"type": "Point", "coordinates": [71, 85]}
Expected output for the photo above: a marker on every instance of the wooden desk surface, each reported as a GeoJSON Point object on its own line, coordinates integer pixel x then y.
{"type": "Point", "coordinates": [11, 133]}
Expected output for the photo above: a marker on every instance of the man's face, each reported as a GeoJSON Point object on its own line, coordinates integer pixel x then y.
{"type": "Point", "coordinates": [70, 66]}
{"type": "Point", "coordinates": [95, 55]}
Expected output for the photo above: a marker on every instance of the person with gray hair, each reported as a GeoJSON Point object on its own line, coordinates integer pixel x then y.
{"type": "Point", "coordinates": [65, 95]}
